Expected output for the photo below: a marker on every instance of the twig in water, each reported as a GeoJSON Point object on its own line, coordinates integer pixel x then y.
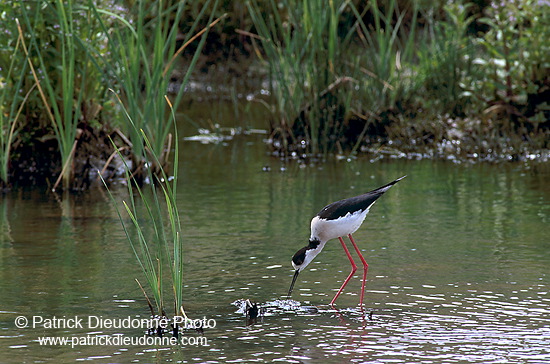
{"type": "Point", "coordinates": [109, 160]}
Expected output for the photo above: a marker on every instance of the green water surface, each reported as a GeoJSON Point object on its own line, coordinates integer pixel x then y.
{"type": "Point", "coordinates": [459, 262]}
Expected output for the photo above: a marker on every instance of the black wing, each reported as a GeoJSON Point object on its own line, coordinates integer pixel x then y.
{"type": "Point", "coordinates": [353, 204]}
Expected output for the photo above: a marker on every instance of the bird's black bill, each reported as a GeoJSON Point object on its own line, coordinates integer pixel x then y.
{"type": "Point", "coordinates": [292, 284]}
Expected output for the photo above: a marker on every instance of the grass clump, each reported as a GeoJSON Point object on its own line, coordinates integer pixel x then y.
{"type": "Point", "coordinates": [302, 48]}
{"type": "Point", "coordinates": [327, 66]}
{"type": "Point", "coordinates": [51, 81]}
{"type": "Point", "coordinates": [11, 107]}
{"type": "Point", "coordinates": [65, 55]}
{"type": "Point", "coordinates": [62, 88]}
{"type": "Point", "coordinates": [141, 60]}
{"type": "Point", "coordinates": [407, 76]}
{"type": "Point", "coordinates": [154, 230]}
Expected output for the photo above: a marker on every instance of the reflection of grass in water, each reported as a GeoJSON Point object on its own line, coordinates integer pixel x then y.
{"type": "Point", "coordinates": [155, 229]}
{"type": "Point", "coordinates": [5, 230]}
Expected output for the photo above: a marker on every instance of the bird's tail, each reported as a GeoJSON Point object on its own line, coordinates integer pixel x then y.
{"type": "Point", "coordinates": [387, 186]}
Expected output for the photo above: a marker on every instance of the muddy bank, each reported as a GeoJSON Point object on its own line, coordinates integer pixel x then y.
{"type": "Point", "coordinates": [409, 135]}
{"type": "Point", "coordinates": [39, 163]}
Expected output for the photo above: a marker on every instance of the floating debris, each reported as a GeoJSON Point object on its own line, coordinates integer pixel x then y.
{"type": "Point", "coordinates": [249, 309]}
{"type": "Point", "coordinates": [252, 310]}
{"type": "Point", "coordinates": [221, 134]}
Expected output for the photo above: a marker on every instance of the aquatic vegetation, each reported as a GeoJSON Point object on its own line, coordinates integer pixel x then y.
{"type": "Point", "coordinates": [63, 89]}
{"type": "Point", "coordinates": [345, 77]}
{"type": "Point", "coordinates": [443, 60]}
{"type": "Point", "coordinates": [141, 60]}
{"type": "Point", "coordinates": [327, 66]}
{"type": "Point", "coordinates": [386, 83]}
{"type": "Point", "coordinates": [514, 69]}
{"type": "Point", "coordinates": [61, 71]}
{"type": "Point", "coordinates": [69, 54]}
{"type": "Point", "coordinates": [306, 59]}
{"type": "Point", "coordinates": [10, 110]}
{"type": "Point", "coordinates": [359, 78]}
{"type": "Point", "coordinates": [154, 231]}
{"type": "Point", "coordinates": [488, 90]}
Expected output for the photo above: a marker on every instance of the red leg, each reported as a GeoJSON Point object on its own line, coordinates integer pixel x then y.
{"type": "Point", "coordinates": [365, 268]}
{"type": "Point", "coordinates": [353, 269]}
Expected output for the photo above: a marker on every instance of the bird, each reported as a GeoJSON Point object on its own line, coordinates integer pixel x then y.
{"type": "Point", "coordinates": [337, 220]}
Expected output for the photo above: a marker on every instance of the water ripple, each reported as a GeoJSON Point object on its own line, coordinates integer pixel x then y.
{"type": "Point", "coordinates": [424, 325]}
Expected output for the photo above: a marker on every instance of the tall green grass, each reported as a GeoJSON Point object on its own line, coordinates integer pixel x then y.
{"type": "Point", "coordinates": [61, 87]}
{"type": "Point", "coordinates": [141, 59]}
{"type": "Point", "coordinates": [303, 50]}
{"type": "Point", "coordinates": [154, 228]}
{"type": "Point", "coordinates": [327, 64]}
{"type": "Point", "coordinates": [346, 74]}
{"type": "Point", "coordinates": [342, 72]}
{"type": "Point", "coordinates": [11, 106]}
{"type": "Point", "coordinates": [442, 63]}
{"type": "Point", "coordinates": [77, 50]}
{"type": "Point", "coordinates": [384, 62]}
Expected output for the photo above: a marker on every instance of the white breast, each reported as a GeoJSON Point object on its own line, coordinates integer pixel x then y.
{"type": "Point", "coordinates": [325, 230]}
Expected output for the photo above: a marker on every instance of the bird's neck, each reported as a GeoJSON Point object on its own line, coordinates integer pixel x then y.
{"type": "Point", "coordinates": [312, 250]}
{"type": "Point", "coordinates": [315, 242]}
{"type": "Point", "coordinates": [315, 246]}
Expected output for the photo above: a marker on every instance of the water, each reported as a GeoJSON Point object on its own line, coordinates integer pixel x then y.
{"type": "Point", "coordinates": [458, 255]}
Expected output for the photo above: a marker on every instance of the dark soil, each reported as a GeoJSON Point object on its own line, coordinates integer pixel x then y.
{"type": "Point", "coordinates": [39, 162]}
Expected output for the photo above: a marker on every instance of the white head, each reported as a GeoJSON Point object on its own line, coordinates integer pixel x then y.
{"type": "Point", "coordinates": [303, 257]}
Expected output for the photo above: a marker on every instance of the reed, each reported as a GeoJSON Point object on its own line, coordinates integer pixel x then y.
{"type": "Point", "coordinates": [90, 50]}
{"type": "Point", "coordinates": [154, 230]}
{"type": "Point", "coordinates": [444, 60]}
{"type": "Point", "coordinates": [141, 59]}
{"type": "Point", "coordinates": [327, 65]}
{"type": "Point", "coordinates": [304, 53]}
{"type": "Point", "coordinates": [384, 64]}
{"type": "Point", "coordinates": [67, 82]}
{"type": "Point", "coordinates": [388, 48]}
{"type": "Point", "coordinates": [11, 106]}
{"type": "Point", "coordinates": [342, 72]}
{"type": "Point", "coordinates": [143, 80]}
{"type": "Point", "coordinates": [60, 88]}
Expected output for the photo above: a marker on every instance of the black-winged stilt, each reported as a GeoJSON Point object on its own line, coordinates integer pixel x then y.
{"type": "Point", "coordinates": [336, 220]}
